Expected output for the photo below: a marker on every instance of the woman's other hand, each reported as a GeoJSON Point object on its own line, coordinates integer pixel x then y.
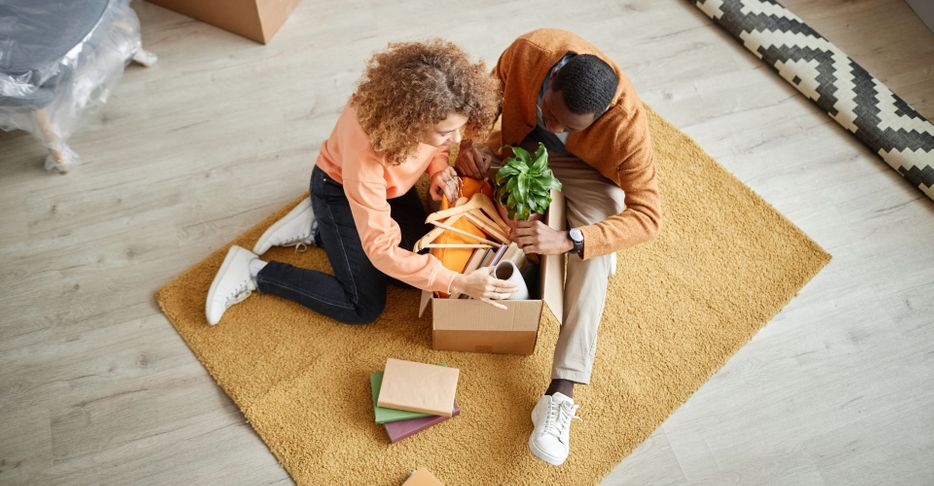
{"type": "Point", "coordinates": [445, 183]}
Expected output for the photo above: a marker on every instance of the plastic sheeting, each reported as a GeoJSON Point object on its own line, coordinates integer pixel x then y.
{"type": "Point", "coordinates": [60, 59]}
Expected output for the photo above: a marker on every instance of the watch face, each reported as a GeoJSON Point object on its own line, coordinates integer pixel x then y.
{"type": "Point", "coordinates": [577, 235]}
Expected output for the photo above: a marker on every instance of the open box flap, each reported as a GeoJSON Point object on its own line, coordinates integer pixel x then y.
{"type": "Point", "coordinates": [426, 298]}
{"type": "Point", "coordinates": [553, 269]}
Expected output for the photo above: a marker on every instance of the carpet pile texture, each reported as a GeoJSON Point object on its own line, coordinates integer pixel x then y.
{"type": "Point", "coordinates": [678, 308]}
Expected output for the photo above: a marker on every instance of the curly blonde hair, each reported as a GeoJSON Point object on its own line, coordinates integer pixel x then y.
{"type": "Point", "coordinates": [412, 86]}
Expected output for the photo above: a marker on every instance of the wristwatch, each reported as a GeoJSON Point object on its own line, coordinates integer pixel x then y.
{"type": "Point", "coordinates": [577, 237]}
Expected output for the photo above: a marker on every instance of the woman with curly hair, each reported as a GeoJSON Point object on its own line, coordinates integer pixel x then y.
{"type": "Point", "coordinates": [412, 103]}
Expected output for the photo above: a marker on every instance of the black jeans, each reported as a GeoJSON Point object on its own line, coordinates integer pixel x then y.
{"type": "Point", "coordinates": [356, 293]}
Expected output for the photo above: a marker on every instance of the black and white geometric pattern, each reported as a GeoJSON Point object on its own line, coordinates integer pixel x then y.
{"type": "Point", "coordinates": [837, 84]}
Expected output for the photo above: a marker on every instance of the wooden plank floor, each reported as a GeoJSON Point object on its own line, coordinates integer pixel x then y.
{"type": "Point", "coordinates": [97, 388]}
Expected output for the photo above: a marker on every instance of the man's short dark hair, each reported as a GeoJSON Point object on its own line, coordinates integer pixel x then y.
{"type": "Point", "coordinates": [587, 84]}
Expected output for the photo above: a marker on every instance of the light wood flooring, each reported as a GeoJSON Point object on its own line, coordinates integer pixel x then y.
{"type": "Point", "coordinates": [97, 388]}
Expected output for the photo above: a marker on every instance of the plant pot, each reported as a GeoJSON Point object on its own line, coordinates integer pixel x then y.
{"type": "Point", "coordinates": [504, 213]}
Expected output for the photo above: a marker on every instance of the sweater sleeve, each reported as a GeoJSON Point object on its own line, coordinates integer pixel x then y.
{"type": "Point", "coordinates": [494, 140]}
{"type": "Point", "coordinates": [380, 236]}
{"type": "Point", "coordinates": [641, 220]}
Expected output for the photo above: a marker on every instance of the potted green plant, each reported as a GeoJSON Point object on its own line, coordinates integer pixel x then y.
{"type": "Point", "coordinates": [524, 184]}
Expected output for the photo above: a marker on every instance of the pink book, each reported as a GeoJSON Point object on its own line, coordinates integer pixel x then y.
{"type": "Point", "coordinates": [404, 428]}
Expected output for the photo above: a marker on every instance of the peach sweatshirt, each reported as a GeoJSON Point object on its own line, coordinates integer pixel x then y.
{"type": "Point", "coordinates": [348, 157]}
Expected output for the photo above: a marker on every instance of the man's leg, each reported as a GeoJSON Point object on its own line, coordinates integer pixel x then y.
{"type": "Point", "coordinates": [590, 198]}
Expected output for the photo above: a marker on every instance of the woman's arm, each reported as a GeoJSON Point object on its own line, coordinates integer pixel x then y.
{"type": "Point", "coordinates": [380, 236]}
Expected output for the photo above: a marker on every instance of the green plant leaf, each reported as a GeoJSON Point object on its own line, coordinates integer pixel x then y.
{"type": "Point", "coordinates": [524, 183]}
{"type": "Point", "coordinates": [522, 186]}
{"type": "Point", "coordinates": [540, 152]}
{"type": "Point", "coordinates": [512, 184]}
{"type": "Point", "coordinates": [521, 211]}
{"type": "Point", "coordinates": [540, 161]}
{"type": "Point", "coordinates": [522, 155]}
{"type": "Point", "coordinates": [505, 172]}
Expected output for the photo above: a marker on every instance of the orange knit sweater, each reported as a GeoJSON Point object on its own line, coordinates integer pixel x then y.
{"type": "Point", "coordinates": [617, 144]}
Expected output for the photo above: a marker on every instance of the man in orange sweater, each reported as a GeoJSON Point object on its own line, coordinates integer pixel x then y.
{"type": "Point", "coordinates": [561, 91]}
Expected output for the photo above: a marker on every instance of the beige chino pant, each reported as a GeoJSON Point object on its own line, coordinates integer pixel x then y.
{"type": "Point", "coordinates": [590, 198]}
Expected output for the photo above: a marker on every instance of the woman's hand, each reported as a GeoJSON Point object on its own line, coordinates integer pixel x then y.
{"type": "Point", "coordinates": [481, 284]}
{"type": "Point", "coordinates": [472, 162]}
{"type": "Point", "coordinates": [445, 182]}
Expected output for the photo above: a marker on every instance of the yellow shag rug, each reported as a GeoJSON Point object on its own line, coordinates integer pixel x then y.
{"type": "Point", "coordinates": [678, 308]}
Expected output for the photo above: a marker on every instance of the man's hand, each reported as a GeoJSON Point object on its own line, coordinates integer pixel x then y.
{"type": "Point", "coordinates": [445, 182]}
{"type": "Point", "coordinates": [472, 162]}
{"type": "Point", "coordinates": [538, 237]}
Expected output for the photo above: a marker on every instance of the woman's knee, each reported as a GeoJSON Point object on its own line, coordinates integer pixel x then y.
{"type": "Point", "coordinates": [366, 312]}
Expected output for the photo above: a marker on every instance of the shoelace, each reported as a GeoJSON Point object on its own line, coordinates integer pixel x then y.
{"type": "Point", "coordinates": [559, 418]}
{"type": "Point", "coordinates": [239, 294]}
{"type": "Point", "coordinates": [300, 245]}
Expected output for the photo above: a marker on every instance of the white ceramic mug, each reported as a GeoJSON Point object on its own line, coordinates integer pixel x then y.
{"type": "Point", "coordinates": [509, 272]}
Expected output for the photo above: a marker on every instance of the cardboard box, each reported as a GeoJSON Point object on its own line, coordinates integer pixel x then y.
{"type": "Point", "coordinates": [473, 326]}
{"type": "Point", "coordinates": [258, 20]}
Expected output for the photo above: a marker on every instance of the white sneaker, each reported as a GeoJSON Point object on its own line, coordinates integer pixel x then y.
{"type": "Point", "coordinates": [551, 439]}
{"type": "Point", "coordinates": [295, 228]}
{"type": "Point", "coordinates": [232, 284]}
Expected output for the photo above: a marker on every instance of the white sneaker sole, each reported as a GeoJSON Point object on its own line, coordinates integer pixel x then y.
{"type": "Point", "coordinates": [263, 244]}
{"type": "Point", "coordinates": [217, 280]}
{"type": "Point", "coordinates": [539, 453]}
{"type": "Point", "coordinates": [550, 459]}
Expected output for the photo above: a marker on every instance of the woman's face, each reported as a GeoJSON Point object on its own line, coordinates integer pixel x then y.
{"type": "Point", "coordinates": [446, 131]}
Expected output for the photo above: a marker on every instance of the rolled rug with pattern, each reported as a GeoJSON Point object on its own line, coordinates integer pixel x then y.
{"type": "Point", "coordinates": [841, 87]}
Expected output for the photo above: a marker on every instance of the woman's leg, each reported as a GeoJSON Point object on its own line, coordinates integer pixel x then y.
{"type": "Point", "coordinates": [356, 293]}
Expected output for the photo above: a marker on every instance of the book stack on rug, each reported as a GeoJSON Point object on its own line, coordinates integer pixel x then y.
{"type": "Point", "coordinates": [409, 397]}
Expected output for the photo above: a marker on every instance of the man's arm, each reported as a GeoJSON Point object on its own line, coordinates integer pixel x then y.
{"type": "Point", "coordinates": [641, 220]}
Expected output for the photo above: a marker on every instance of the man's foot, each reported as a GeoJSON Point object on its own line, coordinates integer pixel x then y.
{"type": "Point", "coordinates": [295, 228]}
{"type": "Point", "coordinates": [232, 284]}
{"type": "Point", "coordinates": [551, 439]}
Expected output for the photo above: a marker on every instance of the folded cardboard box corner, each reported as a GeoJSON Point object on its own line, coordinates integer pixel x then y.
{"type": "Point", "coordinates": [258, 20]}
{"type": "Point", "coordinates": [471, 325]}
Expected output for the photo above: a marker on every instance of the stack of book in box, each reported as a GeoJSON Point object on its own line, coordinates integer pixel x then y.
{"type": "Point", "coordinates": [409, 397]}
{"type": "Point", "coordinates": [490, 257]}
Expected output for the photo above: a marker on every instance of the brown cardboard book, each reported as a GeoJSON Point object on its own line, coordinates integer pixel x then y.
{"type": "Point", "coordinates": [487, 257]}
{"type": "Point", "coordinates": [422, 477]}
{"type": "Point", "coordinates": [498, 256]}
{"type": "Point", "coordinates": [418, 387]}
{"type": "Point", "coordinates": [515, 255]}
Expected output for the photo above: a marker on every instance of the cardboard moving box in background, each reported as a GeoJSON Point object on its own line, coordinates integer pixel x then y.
{"type": "Point", "coordinates": [471, 325]}
{"type": "Point", "coordinates": [258, 20]}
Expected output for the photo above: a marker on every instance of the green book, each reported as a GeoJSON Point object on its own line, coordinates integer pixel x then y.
{"type": "Point", "coordinates": [384, 415]}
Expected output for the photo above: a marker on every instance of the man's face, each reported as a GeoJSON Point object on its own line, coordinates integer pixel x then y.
{"type": "Point", "coordinates": [558, 118]}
